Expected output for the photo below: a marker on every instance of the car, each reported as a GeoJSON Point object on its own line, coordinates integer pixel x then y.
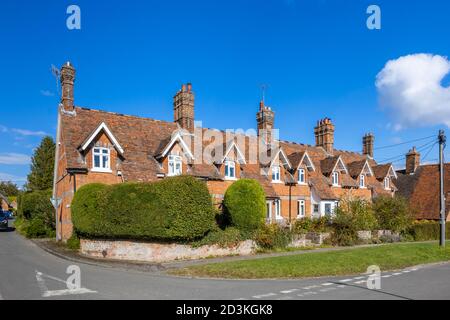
{"type": "Point", "coordinates": [3, 220]}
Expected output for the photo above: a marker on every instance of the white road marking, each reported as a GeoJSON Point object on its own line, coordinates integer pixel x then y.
{"type": "Point", "coordinates": [288, 291]}
{"type": "Point", "coordinates": [52, 293]}
{"type": "Point", "coordinates": [310, 287]}
{"type": "Point", "coordinates": [386, 276]}
{"type": "Point", "coordinates": [264, 295]}
{"type": "Point", "coordinates": [65, 292]}
{"type": "Point", "coordinates": [308, 293]}
{"type": "Point", "coordinates": [414, 269]}
{"type": "Point", "coordinates": [342, 286]}
{"type": "Point", "coordinates": [345, 280]}
{"type": "Point", "coordinates": [285, 298]}
{"type": "Point", "coordinates": [327, 284]}
{"type": "Point", "coordinates": [358, 278]}
{"type": "Point", "coordinates": [327, 289]}
{"type": "Point", "coordinates": [359, 282]}
{"type": "Point", "coordinates": [397, 274]}
{"type": "Point", "coordinates": [406, 271]}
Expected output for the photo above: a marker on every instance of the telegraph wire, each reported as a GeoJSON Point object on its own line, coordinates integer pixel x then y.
{"type": "Point", "coordinates": [402, 156]}
{"type": "Point", "coordinates": [403, 143]}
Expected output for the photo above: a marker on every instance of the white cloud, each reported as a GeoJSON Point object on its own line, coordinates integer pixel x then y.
{"type": "Point", "coordinates": [47, 93]}
{"type": "Point", "coordinates": [410, 89]}
{"type": "Point", "coordinates": [11, 177]}
{"type": "Point", "coordinates": [14, 159]}
{"type": "Point", "coordinates": [25, 132]}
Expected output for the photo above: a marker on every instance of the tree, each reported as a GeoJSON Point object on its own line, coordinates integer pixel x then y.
{"type": "Point", "coordinates": [42, 164]}
{"type": "Point", "coordinates": [9, 189]}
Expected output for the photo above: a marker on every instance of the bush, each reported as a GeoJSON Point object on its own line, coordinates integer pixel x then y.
{"type": "Point", "coordinates": [178, 208]}
{"type": "Point", "coordinates": [73, 242]}
{"type": "Point", "coordinates": [223, 238]}
{"type": "Point", "coordinates": [393, 213]}
{"type": "Point", "coordinates": [273, 236]}
{"type": "Point", "coordinates": [344, 229]}
{"type": "Point", "coordinates": [245, 204]}
{"type": "Point", "coordinates": [427, 230]}
{"type": "Point", "coordinates": [35, 215]}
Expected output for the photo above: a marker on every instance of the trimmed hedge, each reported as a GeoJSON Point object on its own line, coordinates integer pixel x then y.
{"type": "Point", "coordinates": [430, 230]}
{"type": "Point", "coordinates": [178, 208]}
{"type": "Point", "coordinates": [245, 204]}
{"type": "Point", "coordinates": [393, 213]}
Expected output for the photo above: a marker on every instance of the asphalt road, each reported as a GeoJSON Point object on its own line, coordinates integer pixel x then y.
{"type": "Point", "coordinates": [28, 272]}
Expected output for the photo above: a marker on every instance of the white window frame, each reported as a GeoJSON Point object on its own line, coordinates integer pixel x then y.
{"type": "Point", "coordinates": [301, 213]}
{"type": "Point", "coordinates": [387, 183]}
{"type": "Point", "coordinates": [314, 212]}
{"type": "Point", "coordinates": [362, 181]}
{"type": "Point", "coordinates": [278, 215]}
{"type": "Point", "coordinates": [230, 164]}
{"type": "Point", "coordinates": [335, 178]}
{"type": "Point", "coordinates": [301, 176]}
{"type": "Point", "coordinates": [176, 161]}
{"type": "Point", "coordinates": [276, 173]}
{"type": "Point", "coordinates": [104, 167]}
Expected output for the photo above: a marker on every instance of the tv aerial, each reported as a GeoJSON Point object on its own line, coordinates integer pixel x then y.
{"type": "Point", "coordinates": [57, 74]}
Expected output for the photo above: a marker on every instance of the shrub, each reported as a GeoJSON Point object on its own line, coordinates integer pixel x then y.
{"type": "Point", "coordinates": [35, 215]}
{"type": "Point", "coordinates": [273, 236]}
{"type": "Point", "coordinates": [429, 230]}
{"type": "Point", "coordinates": [229, 237]}
{"type": "Point", "coordinates": [302, 226]}
{"type": "Point", "coordinates": [178, 208]}
{"type": "Point", "coordinates": [73, 242]}
{"type": "Point", "coordinates": [393, 213]}
{"type": "Point", "coordinates": [344, 229]}
{"type": "Point", "coordinates": [245, 203]}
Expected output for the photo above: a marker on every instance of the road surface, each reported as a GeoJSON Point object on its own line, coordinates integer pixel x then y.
{"type": "Point", "coordinates": [28, 272]}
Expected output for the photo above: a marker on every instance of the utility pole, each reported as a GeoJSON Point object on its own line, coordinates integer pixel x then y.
{"type": "Point", "coordinates": [442, 140]}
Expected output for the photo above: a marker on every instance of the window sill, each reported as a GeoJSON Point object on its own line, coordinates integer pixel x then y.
{"type": "Point", "coordinates": [302, 183]}
{"type": "Point", "coordinates": [277, 181]}
{"type": "Point", "coordinates": [230, 179]}
{"type": "Point", "coordinates": [101, 170]}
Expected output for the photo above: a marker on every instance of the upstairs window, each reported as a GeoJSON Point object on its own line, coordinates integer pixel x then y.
{"type": "Point", "coordinates": [175, 165]}
{"type": "Point", "coordinates": [101, 160]}
{"type": "Point", "coordinates": [335, 178]}
{"type": "Point", "coordinates": [387, 183]}
{"type": "Point", "coordinates": [230, 169]}
{"type": "Point", "coordinates": [301, 176]}
{"type": "Point", "coordinates": [276, 174]}
{"type": "Point", "coordinates": [362, 181]}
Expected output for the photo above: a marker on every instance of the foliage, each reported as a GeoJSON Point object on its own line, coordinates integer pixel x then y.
{"type": "Point", "coordinates": [42, 164]}
{"type": "Point", "coordinates": [273, 236]}
{"type": "Point", "coordinates": [178, 208]}
{"type": "Point", "coordinates": [73, 242]}
{"type": "Point", "coordinates": [305, 225]}
{"type": "Point", "coordinates": [344, 232]}
{"type": "Point", "coordinates": [9, 189]}
{"type": "Point", "coordinates": [393, 213]}
{"type": "Point", "coordinates": [245, 204]}
{"type": "Point", "coordinates": [229, 237]}
{"type": "Point", "coordinates": [33, 228]}
{"type": "Point", "coordinates": [37, 205]}
{"type": "Point", "coordinates": [427, 230]}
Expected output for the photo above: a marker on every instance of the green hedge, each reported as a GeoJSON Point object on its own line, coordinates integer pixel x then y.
{"type": "Point", "coordinates": [245, 204]}
{"type": "Point", "coordinates": [178, 208]}
{"type": "Point", "coordinates": [393, 213]}
{"type": "Point", "coordinates": [424, 231]}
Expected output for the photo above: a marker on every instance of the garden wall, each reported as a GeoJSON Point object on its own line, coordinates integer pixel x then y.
{"type": "Point", "coordinates": [159, 252]}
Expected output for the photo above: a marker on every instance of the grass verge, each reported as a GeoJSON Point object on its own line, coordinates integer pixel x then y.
{"type": "Point", "coordinates": [387, 257]}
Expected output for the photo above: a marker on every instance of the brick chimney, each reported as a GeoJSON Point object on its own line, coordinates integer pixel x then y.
{"type": "Point", "coordinates": [324, 132]}
{"type": "Point", "coordinates": [368, 142]}
{"type": "Point", "coordinates": [412, 161]}
{"type": "Point", "coordinates": [67, 84]}
{"type": "Point", "coordinates": [183, 107]}
{"type": "Point", "coordinates": [265, 118]}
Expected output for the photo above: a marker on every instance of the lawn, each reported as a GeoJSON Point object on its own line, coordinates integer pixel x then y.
{"type": "Point", "coordinates": [351, 261]}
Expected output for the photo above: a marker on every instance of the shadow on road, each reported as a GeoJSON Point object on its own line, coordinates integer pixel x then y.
{"type": "Point", "coordinates": [9, 229]}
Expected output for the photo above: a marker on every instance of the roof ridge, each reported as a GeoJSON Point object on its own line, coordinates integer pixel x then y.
{"type": "Point", "coordinates": [123, 115]}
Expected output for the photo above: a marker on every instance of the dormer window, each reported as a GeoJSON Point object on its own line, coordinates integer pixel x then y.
{"type": "Point", "coordinates": [301, 176]}
{"type": "Point", "coordinates": [335, 178]}
{"type": "Point", "coordinates": [175, 166]}
{"type": "Point", "coordinates": [276, 174]}
{"type": "Point", "coordinates": [230, 169]}
{"type": "Point", "coordinates": [387, 183]}
{"type": "Point", "coordinates": [101, 160]}
{"type": "Point", "coordinates": [362, 181]}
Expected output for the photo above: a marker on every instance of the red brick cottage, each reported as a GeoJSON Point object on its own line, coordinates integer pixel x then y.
{"type": "Point", "coordinates": [299, 180]}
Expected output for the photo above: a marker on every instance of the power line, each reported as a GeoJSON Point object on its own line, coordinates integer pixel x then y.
{"type": "Point", "coordinates": [431, 149]}
{"type": "Point", "coordinates": [402, 156]}
{"type": "Point", "coordinates": [403, 143]}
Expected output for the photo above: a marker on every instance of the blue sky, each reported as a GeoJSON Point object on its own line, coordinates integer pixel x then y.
{"type": "Point", "coordinates": [317, 57]}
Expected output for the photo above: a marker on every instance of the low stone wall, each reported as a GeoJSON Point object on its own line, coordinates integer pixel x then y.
{"type": "Point", "coordinates": [317, 237]}
{"type": "Point", "coordinates": [158, 252]}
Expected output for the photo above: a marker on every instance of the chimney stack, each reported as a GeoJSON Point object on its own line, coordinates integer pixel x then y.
{"type": "Point", "coordinates": [412, 161]}
{"type": "Point", "coordinates": [368, 142]}
{"type": "Point", "coordinates": [67, 84]}
{"type": "Point", "coordinates": [265, 118]}
{"type": "Point", "coordinates": [183, 107]}
{"type": "Point", "coordinates": [324, 132]}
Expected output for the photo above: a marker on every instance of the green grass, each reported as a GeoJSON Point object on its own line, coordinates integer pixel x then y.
{"type": "Point", "coordinates": [351, 261]}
